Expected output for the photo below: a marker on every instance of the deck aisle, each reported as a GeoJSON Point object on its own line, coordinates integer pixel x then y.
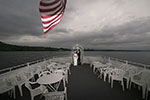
{"type": "Point", "coordinates": [84, 85]}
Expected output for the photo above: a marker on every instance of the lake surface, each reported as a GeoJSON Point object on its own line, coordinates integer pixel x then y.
{"type": "Point", "coordinates": [9, 59]}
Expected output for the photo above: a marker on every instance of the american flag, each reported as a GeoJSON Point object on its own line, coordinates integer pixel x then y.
{"type": "Point", "coordinates": [51, 13]}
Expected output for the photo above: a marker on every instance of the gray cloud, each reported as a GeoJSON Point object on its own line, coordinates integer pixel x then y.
{"type": "Point", "coordinates": [108, 24]}
{"type": "Point", "coordinates": [18, 18]}
{"type": "Point", "coordinates": [132, 33]}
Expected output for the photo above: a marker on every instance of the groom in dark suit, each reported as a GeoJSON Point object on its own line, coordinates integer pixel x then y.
{"type": "Point", "coordinates": [79, 60]}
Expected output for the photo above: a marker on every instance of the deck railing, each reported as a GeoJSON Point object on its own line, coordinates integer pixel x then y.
{"type": "Point", "coordinates": [25, 65]}
{"type": "Point", "coordinates": [125, 61]}
{"type": "Point", "coordinates": [44, 59]}
{"type": "Point", "coordinates": [130, 62]}
{"type": "Point", "coordinates": [22, 65]}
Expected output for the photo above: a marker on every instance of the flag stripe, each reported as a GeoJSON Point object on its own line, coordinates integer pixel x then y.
{"type": "Point", "coordinates": [47, 19]}
{"type": "Point", "coordinates": [47, 25]}
{"type": "Point", "coordinates": [50, 9]}
{"type": "Point", "coordinates": [57, 20]}
{"type": "Point", "coordinates": [43, 3]}
{"type": "Point", "coordinates": [52, 6]}
{"type": "Point", "coordinates": [51, 13]}
{"type": "Point", "coordinates": [50, 28]}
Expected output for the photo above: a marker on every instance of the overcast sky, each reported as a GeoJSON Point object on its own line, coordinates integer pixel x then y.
{"type": "Point", "coordinates": [102, 24]}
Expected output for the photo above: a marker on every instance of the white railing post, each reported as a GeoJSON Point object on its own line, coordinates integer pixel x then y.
{"type": "Point", "coordinates": [144, 66]}
{"type": "Point", "coordinates": [28, 64]}
{"type": "Point", "coordinates": [109, 60]}
{"type": "Point", "coordinates": [10, 69]}
{"type": "Point", "coordinates": [126, 62]}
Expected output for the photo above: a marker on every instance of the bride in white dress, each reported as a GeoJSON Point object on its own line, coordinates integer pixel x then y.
{"type": "Point", "coordinates": [75, 56]}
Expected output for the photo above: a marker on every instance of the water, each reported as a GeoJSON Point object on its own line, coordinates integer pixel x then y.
{"type": "Point", "coordinates": [9, 59]}
{"type": "Point", "coordinates": [139, 57]}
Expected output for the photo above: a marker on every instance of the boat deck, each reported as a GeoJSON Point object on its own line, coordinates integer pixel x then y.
{"type": "Point", "coordinates": [84, 85]}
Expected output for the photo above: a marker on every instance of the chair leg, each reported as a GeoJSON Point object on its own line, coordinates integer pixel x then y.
{"type": "Point", "coordinates": [143, 91]}
{"type": "Point", "coordinates": [122, 85]}
{"type": "Point", "coordinates": [91, 65]}
{"type": "Point", "coordinates": [147, 94]}
{"type": "Point", "coordinates": [139, 88]}
{"type": "Point", "coordinates": [111, 83]}
{"type": "Point", "coordinates": [69, 72]}
{"type": "Point", "coordinates": [104, 77]}
{"type": "Point", "coordinates": [134, 85]}
{"type": "Point", "coordinates": [9, 92]}
{"type": "Point", "coordinates": [66, 96]}
{"type": "Point", "coordinates": [130, 85]}
{"type": "Point", "coordinates": [14, 93]}
{"type": "Point", "coordinates": [94, 70]}
{"type": "Point", "coordinates": [100, 75]}
{"type": "Point", "coordinates": [20, 89]}
{"type": "Point", "coordinates": [32, 97]}
{"type": "Point", "coordinates": [109, 78]}
{"type": "Point", "coordinates": [66, 78]}
{"type": "Point", "coordinates": [127, 83]}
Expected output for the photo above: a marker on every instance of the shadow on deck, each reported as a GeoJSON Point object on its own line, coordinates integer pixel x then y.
{"type": "Point", "coordinates": [84, 85]}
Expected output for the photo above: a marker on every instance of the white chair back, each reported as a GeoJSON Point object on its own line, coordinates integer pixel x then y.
{"type": "Point", "coordinates": [118, 73]}
{"type": "Point", "coordinates": [44, 73]}
{"type": "Point", "coordinates": [58, 95]}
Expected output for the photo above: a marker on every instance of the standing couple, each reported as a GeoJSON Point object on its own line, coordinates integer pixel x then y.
{"type": "Point", "coordinates": [76, 57]}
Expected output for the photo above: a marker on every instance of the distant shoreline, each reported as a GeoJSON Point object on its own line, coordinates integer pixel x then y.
{"type": "Point", "coordinates": [121, 50]}
{"type": "Point", "coordinates": [70, 50]}
{"type": "Point", "coordinates": [9, 47]}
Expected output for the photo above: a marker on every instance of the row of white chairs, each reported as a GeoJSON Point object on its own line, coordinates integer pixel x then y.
{"type": "Point", "coordinates": [118, 71]}
{"type": "Point", "coordinates": [43, 90]}
{"type": "Point", "coordinates": [52, 68]}
{"type": "Point", "coordinates": [19, 77]}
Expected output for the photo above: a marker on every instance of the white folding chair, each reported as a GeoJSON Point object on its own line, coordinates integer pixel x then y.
{"type": "Point", "coordinates": [129, 72]}
{"type": "Point", "coordinates": [36, 91]}
{"type": "Point", "coordinates": [140, 79]}
{"type": "Point", "coordinates": [117, 75]}
{"type": "Point", "coordinates": [148, 88]}
{"type": "Point", "coordinates": [20, 79]}
{"type": "Point", "coordinates": [104, 70]}
{"type": "Point", "coordinates": [68, 67]}
{"type": "Point", "coordinates": [57, 95]}
{"type": "Point", "coordinates": [97, 65]}
{"type": "Point", "coordinates": [9, 85]}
